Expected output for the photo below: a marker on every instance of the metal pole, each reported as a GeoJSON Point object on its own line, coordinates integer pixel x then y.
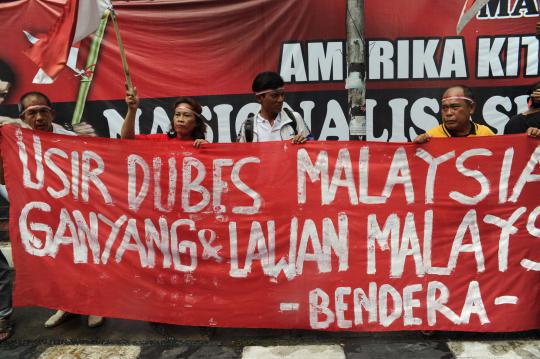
{"type": "Point", "coordinates": [86, 80]}
{"type": "Point", "coordinates": [538, 27]}
{"type": "Point", "coordinates": [356, 64]}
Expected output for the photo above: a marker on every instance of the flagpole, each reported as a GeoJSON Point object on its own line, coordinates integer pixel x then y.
{"type": "Point", "coordinates": [86, 80]}
{"type": "Point", "coordinates": [122, 52]}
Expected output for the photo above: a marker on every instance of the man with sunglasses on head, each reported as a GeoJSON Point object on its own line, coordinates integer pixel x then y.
{"type": "Point", "coordinates": [272, 122]}
{"type": "Point", "coordinates": [529, 121]}
{"type": "Point", "coordinates": [457, 106]}
{"type": "Point", "coordinates": [7, 79]}
{"type": "Point", "coordinates": [37, 113]}
{"type": "Point", "coordinates": [4, 90]}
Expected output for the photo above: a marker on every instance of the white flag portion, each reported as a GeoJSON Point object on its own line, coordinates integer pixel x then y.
{"type": "Point", "coordinates": [55, 50]}
{"type": "Point", "coordinates": [88, 17]}
{"type": "Point", "coordinates": [470, 9]}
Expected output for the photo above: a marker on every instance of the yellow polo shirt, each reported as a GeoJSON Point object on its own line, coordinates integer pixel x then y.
{"type": "Point", "coordinates": [476, 130]}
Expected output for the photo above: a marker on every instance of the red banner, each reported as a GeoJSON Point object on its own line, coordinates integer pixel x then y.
{"type": "Point", "coordinates": [330, 235]}
{"type": "Point", "coordinates": [177, 48]}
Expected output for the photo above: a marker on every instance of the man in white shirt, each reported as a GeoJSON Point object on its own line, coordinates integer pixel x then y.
{"type": "Point", "coordinates": [273, 122]}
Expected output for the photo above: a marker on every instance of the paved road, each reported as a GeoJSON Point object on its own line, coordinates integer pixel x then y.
{"type": "Point", "coordinates": [133, 339]}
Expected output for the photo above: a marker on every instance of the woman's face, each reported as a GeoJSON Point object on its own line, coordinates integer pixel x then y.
{"type": "Point", "coordinates": [184, 120]}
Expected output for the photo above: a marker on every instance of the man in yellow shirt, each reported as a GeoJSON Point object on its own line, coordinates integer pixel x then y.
{"type": "Point", "coordinates": [457, 106]}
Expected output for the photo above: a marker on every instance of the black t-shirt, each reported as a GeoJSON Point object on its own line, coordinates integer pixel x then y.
{"type": "Point", "coordinates": [520, 123]}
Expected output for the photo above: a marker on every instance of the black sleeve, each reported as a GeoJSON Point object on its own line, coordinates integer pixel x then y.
{"type": "Point", "coordinates": [517, 124]}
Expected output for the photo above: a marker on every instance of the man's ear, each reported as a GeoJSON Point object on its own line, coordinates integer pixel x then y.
{"type": "Point", "coordinates": [259, 98]}
{"type": "Point", "coordinates": [473, 107]}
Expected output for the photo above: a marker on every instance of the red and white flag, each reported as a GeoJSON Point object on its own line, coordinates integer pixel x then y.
{"type": "Point", "coordinates": [79, 18]}
{"type": "Point", "coordinates": [470, 9]}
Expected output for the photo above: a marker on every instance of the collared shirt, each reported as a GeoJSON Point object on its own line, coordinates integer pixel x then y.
{"type": "Point", "coordinates": [265, 132]}
{"type": "Point", "coordinates": [476, 130]}
{"type": "Point", "coordinates": [282, 130]}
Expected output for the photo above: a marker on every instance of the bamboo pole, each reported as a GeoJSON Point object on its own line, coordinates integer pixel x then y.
{"type": "Point", "coordinates": [122, 52]}
{"type": "Point", "coordinates": [86, 80]}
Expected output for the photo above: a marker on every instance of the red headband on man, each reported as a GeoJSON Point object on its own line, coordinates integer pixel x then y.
{"type": "Point", "coordinates": [36, 108]}
{"type": "Point", "coordinates": [267, 91]}
{"type": "Point", "coordinates": [458, 98]}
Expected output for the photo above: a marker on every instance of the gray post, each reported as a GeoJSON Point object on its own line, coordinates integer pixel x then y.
{"type": "Point", "coordinates": [356, 65]}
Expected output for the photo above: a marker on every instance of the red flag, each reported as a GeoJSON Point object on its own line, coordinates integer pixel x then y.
{"type": "Point", "coordinates": [78, 19]}
{"type": "Point", "coordinates": [51, 52]}
{"type": "Point", "coordinates": [470, 9]}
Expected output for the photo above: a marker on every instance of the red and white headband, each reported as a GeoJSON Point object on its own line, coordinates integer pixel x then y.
{"type": "Point", "coordinates": [269, 90]}
{"type": "Point", "coordinates": [458, 98]}
{"type": "Point", "coordinates": [183, 108]}
{"type": "Point", "coordinates": [36, 108]}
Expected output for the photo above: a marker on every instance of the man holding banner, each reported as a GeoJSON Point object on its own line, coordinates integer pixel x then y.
{"type": "Point", "coordinates": [36, 112]}
{"type": "Point", "coordinates": [457, 106]}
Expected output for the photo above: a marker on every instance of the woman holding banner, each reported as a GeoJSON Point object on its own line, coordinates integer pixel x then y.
{"type": "Point", "coordinates": [187, 124]}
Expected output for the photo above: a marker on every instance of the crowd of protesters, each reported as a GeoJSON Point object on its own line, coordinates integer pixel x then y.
{"type": "Point", "coordinates": [273, 122]}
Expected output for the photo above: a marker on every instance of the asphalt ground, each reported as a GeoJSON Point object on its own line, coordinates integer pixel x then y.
{"type": "Point", "coordinates": [119, 338]}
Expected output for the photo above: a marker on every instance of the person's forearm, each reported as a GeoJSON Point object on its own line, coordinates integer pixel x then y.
{"type": "Point", "coordinates": [128, 127]}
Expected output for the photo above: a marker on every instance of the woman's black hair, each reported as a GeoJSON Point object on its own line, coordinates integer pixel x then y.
{"type": "Point", "coordinates": [200, 126]}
